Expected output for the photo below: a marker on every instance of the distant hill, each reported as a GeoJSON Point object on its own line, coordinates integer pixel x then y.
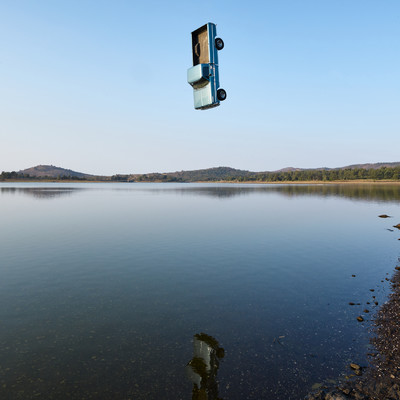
{"type": "Point", "coordinates": [199, 175]}
{"type": "Point", "coordinates": [227, 173]}
{"type": "Point", "coordinates": [374, 171]}
{"type": "Point", "coordinates": [52, 172]}
{"type": "Point", "coordinates": [41, 171]}
{"type": "Point", "coordinates": [353, 166]}
{"type": "Point", "coordinates": [374, 165]}
{"type": "Point", "coordinates": [382, 170]}
{"type": "Point", "coordinates": [289, 169]}
{"type": "Point", "coordinates": [211, 174]}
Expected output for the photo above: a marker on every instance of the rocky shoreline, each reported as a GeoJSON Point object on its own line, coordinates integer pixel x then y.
{"type": "Point", "coordinates": [381, 380]}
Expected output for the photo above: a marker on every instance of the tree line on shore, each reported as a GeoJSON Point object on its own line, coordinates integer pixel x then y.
{"type": "Point", "coordinates": [306, 175]}
{"type": "Point", "coordinates": [230, 175]}
{"type": "Point", "coordinates": [13, 175]}
{"type": "Point", "coordinates": [345, 174]}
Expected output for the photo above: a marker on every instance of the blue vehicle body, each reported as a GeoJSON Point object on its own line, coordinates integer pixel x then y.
{"type": "Point", "coordinates": [204, 75]}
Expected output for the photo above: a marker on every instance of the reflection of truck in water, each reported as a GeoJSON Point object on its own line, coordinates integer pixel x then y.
{"type": "Point", "coordinates": [204, 75]}
{"type": "Point", "coordinates": [203, 367]}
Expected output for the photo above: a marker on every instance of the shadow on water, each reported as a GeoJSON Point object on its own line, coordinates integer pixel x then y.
{"type": "Point", "coordinates": [203, 367]}
{"type": "Point", "coordinates": [360, 191]}
{"type": "Point", "coordinates": [40, 192]}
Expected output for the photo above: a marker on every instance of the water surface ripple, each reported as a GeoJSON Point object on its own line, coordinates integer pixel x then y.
{"type": "Point", "coordinates": [103, 286]}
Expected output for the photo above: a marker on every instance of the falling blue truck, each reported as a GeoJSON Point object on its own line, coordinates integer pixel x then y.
{"type": "Point", "coordinates": [204, 75]}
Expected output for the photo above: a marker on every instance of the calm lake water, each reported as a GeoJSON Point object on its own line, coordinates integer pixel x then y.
{"type": "Point", "coordinates": [102, 286]}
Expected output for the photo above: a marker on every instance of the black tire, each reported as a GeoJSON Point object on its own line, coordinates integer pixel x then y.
{"type": "Point", "coordinates": [221, 94]}
{"type": "Point", "coordinates": [219, 43]}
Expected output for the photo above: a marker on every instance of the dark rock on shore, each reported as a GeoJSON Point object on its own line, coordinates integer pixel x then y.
{"type": "Point", "coordinates": [355, 366]}
{"type": "Point", "coordinates": [381, 380]}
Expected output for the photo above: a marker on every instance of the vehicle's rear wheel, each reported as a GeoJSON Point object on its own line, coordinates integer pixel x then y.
{"type": "Point", "coordinates": [221, 94]}
{"type": "Point", "coordinates": [219, 43]}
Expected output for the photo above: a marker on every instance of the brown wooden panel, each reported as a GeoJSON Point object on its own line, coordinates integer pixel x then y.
{"type": "Point", "coordinates": [200, 46]}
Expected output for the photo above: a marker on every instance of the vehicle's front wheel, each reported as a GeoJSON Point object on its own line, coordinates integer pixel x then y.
{"type": "Point", "coordinates": [221, 94]}
{"type": "Point", "coordinates": [219, 43]}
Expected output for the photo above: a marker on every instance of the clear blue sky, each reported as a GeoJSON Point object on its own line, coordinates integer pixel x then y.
{"type": "Point", "coordinates": [100, 86]}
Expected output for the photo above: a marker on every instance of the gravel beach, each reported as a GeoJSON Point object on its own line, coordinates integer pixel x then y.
{"type": "Point", "coordinates": [381, 380]}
